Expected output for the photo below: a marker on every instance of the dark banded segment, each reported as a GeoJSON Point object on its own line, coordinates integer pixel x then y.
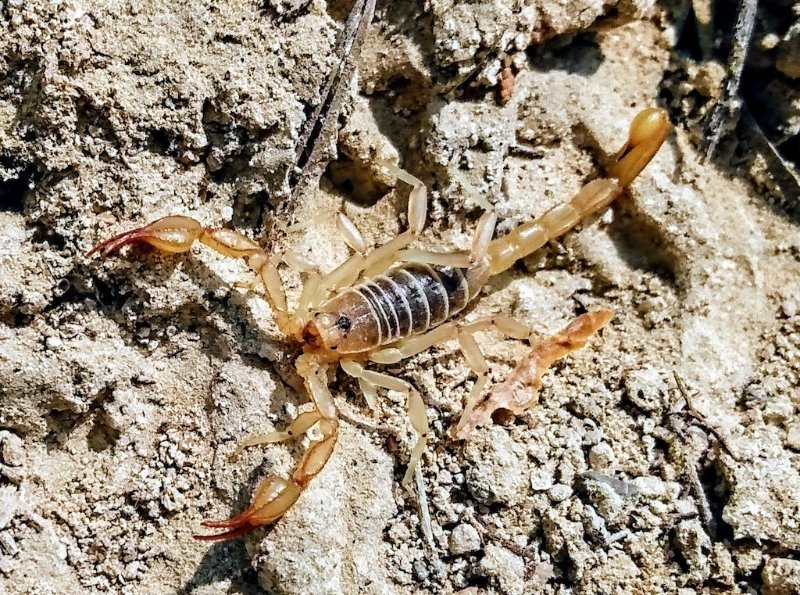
{"type": "Point", "coordinates": [416, 298]}
{"type": "Point", "coordinates": [408, 300]}
{"type": "Point", "coordinates": [378, 305]}
{"type": "Point", "coordinates": [399, 298]}
{"type": "Point", "coordinates": [455, 285]}
{"type": "Point", "coordinates": [433, 294]}
{"type": "Point", "coordinates": [389, 305]}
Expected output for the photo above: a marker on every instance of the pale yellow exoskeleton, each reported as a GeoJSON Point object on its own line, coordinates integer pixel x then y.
{"type": "Point", "coordinates": [393, 302]}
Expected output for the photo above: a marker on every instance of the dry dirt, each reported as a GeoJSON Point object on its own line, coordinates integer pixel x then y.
{"type": "Point", "coordinates": [125, 384]}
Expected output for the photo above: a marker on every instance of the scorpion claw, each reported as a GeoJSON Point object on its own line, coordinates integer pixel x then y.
{"type": "Point", "coordinates": [115, 243]}
{"type": "Point", "coordinates": [273, 498]}
{"type": "Point", "coordinates": [170, 234]}
{"type": "Point", "coordinates": [237, 521]}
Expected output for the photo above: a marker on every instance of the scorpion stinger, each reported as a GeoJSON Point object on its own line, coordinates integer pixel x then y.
{"type": "Point", "coordinates": [370, 309]}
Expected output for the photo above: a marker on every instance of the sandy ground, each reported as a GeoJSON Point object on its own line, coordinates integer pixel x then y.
{"type": "Point", "coordinates": [126, 384]}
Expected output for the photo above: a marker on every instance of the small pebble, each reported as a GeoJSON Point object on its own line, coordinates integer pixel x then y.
{"type": "Point", "coordinates": [464, 539]}
{"type": "Point", "coordinates": [560, 492]}
{"type": "Point", "coordinates": [421, 571]}
{"type": "Point", "coordinates": [793, 435]}
{"type": "Point", "coordinates": [781, 576]}
{"type": "Point", "coordinates": [541, 479]}
{"type": "Point", "coordinates": [601, 456]}
{"type": "Point", "coordinates": [12, 452]}
{"type": "Point", "coordinates": [53, 343]}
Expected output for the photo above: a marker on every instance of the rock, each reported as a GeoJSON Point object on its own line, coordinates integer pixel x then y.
{"type": "Point", "coordinates": [793, 435]}
{"type": "Point", "coordinates": [601, 457]}
{"type": "Point", "coordinates": [694, 544]}
{"type": "Point", "coordinates": [464, 539]}
{"type": "Point", "coordinates": [646, 388]}
{"type": "Point", "coordinates": [541, 479]}
{"type": "Point", "coordinates": [781, 576]}
{"type": "Point", "coordinates": [12, 450]}
{"type": "Point", "coordinates": [505, 567]}
{"type": "Point", "coordinates": [788, 61]}
{"type": "Point", "coordinates": [763, 504]}
{"type": "Point", "coordinates": [778, 409]}
{"type": "Point", "coordinates": [559, 492]}
{"type": "Point", "coordinates": [498, 469]}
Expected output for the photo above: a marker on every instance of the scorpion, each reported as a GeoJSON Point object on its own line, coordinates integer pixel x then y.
{"type": "Point", "coordinates": [393, 302]}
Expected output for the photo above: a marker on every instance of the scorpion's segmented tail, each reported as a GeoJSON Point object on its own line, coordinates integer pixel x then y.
{"type": "Point", "coordinates": [647, 133]}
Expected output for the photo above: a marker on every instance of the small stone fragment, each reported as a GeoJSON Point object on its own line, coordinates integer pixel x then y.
{"type": "Point", "coordinates": [694, 544]}
{"type": "Point", "coordinates": [541, 479]}
{"type": "Point", "coordinates": [464, 539]}
{"type": "Point", "coordinates": [560, 492]}
{"type": "Point", "coordinates": [504, 566]}
{"type": "Point", "coordinates": [778, 409]}
{"type": "Point", "coordinates": [793, 435]}
{"type": "Point", "coordinates": [601, 456]}
{"type": "Point", "coordinates": [498, 470]}
{"type": "Point", "coordinates": [646, 388]}
{"type": "Point", "coordinates": [781, 576]}
{"type": "Point", "coordinates": [12, 452]}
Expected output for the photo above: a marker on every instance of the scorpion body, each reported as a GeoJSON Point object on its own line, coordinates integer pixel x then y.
{"type": "Point", "coordinates": [407, 300]}
{"type": "Point", "coordinates": [370, 309]}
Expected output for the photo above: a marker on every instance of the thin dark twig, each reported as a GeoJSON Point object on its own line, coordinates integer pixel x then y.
{"type": "Point", "coordinates": [314, 147]}
{"type": "Point", "coordinates": [699, 493]}
{"type": "Point", "coordinates": [700, 418]}
{"type": "Point", "coordinates": [719, 118]}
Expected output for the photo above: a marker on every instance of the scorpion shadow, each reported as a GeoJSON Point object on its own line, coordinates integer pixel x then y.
{"type": "Point", "coordinates": [230, 560]}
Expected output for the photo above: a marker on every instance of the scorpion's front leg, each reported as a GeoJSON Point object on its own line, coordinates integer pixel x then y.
{"type": "Point", "coordinates": [177, 234]}
{"type": "Point", "coordinates": [275, 495]}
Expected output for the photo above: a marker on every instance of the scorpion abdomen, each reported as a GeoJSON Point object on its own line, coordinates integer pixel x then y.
{"type": "Point", "coordinates": [407, 300]}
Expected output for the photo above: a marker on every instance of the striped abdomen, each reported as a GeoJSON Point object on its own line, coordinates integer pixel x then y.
{"type": "Point", "coordinates": [407, 300]}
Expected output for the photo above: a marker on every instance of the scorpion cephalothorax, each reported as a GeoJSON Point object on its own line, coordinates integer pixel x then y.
{"type": "Point", "coordinates": [367, 310]}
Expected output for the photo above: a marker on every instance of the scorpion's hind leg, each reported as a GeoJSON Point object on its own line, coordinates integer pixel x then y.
{"type": "Point", "coordinates": [275, 495]}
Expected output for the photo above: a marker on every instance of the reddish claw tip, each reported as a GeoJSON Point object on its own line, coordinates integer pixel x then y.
{"type": "Point", "coordinates": [232, 534]}
{"type": "Point", "coordinates": [115, 243]}
{"type": "Point", "coordinates": [238, 525]}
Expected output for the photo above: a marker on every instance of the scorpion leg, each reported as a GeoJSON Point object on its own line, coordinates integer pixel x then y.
{"type": "Point", "coordinates": [462, 260]}
{"type": "Point", "coordinates": [415, 404]}
{"type": "Point", "coordinates": [177, 233]}
{"type": "Point", "coordinates": [275, 495]}
{"type": "Point", "coordinates": [301, 424]}
{"type": "Point", "coordinates": [380, 258]}
{"type": "Point", "coordinates": [520, 390]}
{"type": "Point", "coordinates": [446, 332]}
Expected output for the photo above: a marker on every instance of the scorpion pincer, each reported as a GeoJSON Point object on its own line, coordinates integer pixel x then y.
{"type": "Point", "coordinates": [371, 309]}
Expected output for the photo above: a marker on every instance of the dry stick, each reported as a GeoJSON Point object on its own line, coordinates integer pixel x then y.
{"type": "Point", "coordinates": [728, 103]}
{"type": "Point", "coordinates": [314, 145]}
{"type": "Point", "coordinates": [700, 418]}
{"type": "Point", "coordinates": [692, 460]}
